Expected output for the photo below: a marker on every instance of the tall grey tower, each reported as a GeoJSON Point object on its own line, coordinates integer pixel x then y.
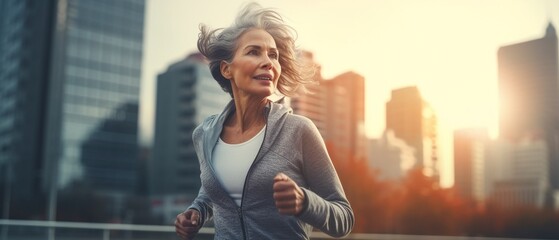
{"type": "Point", "coordinates": [186, 95]}
{"type": "Point", "coordinates": [26, 32]}
{"type": "Point", "coordinates": [67, 69]}
{"type": "Point", "coordinates": [529, 97]}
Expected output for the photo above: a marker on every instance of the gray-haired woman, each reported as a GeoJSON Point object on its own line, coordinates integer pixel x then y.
{"type": "Point", "coordinates": [265, 172]}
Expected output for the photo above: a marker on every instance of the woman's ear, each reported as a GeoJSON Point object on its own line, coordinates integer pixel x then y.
{"type": "Point", "coordinates": [225, 69]}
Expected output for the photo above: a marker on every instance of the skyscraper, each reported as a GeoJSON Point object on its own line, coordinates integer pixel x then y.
{"type": "Point", "coordinates": [25, 47]}
{"type": "Point", "coordinates": [392, 157]}
{"type": "Point", "coordinates": [522, 176]}
{"type": "Point", "coordinates": [337, 108]}
{"type": "Point", "coordinates": [470, 150]}
{"type": "Point", "coordinates": [413, 120]}
{"type": "Point", "coordinates": [345, 112]}
{"type": "Point", "coordinates": [76, 64]}
{"type": "Point", "coordinates": [111, 165]}
{"type": "Point", "coordinates": [529, 98]}
{"type": "Point", "coordinates": [311, 104]}
{"type": "Point", "coordinates": [186, 95]}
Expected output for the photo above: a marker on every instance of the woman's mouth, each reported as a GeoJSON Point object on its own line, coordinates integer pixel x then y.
{"type": "Point", "coordinates": [266, 77]}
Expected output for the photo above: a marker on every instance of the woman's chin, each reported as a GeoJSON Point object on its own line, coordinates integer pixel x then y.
{"type": "Point", "coordinates": [264, 92]}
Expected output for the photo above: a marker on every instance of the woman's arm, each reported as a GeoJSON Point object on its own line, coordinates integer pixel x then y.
{"type": "Point", "coordinates": [203, 205]}
{"type": "Point", "coordinates": [326, 206]}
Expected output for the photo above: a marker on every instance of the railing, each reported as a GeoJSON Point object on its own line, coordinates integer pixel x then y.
{"type": "Point", "coordinates": [35, 230]}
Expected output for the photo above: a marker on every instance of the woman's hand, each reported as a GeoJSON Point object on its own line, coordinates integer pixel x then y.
{"type": "Point", "coordinates": [288, 196]}
{"type": "Point", "coordinates": [187, 224]}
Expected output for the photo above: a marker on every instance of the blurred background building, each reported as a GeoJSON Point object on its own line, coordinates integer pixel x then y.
{"type": "Point", "coordinates": [413, 120]}
{"type": "Point", "coordinates": [470, 159]}
{"type": "Point", "coordinates": [186, 95]}
{"type": "Point", "coordinates": [529, 119]}
{"type": "Point", "coordinates": [521, 167]}
{"type": "Point", "coordinates": [337, 107]}
{"type": "Point", "coordinates": [390, 156]}
{"type": "Point", "coordinates": [70, 81]}
{"type": "Point", "coordinates": [26, 32]}
{"type": "Point", "coordinates": [522, 175]}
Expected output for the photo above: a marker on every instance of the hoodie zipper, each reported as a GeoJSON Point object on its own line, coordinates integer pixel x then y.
{"type": "Point", "coordinates": [240, 209]}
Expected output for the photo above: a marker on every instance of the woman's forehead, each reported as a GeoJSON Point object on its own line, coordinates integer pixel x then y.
{"type": "Point", "coordinates": [256, 37]}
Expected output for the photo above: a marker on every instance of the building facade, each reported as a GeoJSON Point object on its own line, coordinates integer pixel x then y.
{"type": "Point", "coordinates": [78, 63]}
{"type": "Point", "coordinates": [390, 156]}
{"type": "Point", "coordinates": [111, 148]}
{"type": "Point", "coordinates": [521, 174]}
{"type": "Point", "coordinates": [337, 108]}
{"type": "Point", "coordinates": [23, 67]}
{"type": "Point", "coordinates": [414, 121]}
{"type": "Point", "coordinates": [186, 95]}
{"type": "Point", "coordinates": [529, 98]}
{"type": "Point", "coordinates": [311, 103]}
{"type": "Point", "coordinates": [470, 157]}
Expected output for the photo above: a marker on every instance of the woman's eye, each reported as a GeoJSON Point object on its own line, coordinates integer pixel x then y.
{"type": "Point", "coordinates": [252, 52]}
{"type": "Point", "coordinates": [274, 56]}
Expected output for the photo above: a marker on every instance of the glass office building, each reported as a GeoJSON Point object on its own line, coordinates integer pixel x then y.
{"type": "Point", "coordinates": [529, 101]}
{"type": "Point", "coordinates": [72, 98]}
{"type": "Point", "coordinates": [186, 95]}
{"type": "Point", "coordinates": [100, 67]}
{"type": "Point", "coordinates": [25, 30]}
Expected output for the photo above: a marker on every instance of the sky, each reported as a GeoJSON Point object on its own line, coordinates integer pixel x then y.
{"type": "Point", "coordinates": [447, 48]}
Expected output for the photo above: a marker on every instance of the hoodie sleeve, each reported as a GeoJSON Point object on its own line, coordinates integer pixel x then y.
{"type": "Point", "coordinates": [202, 203]}
{"type": "Point", "coordinates": [327, 207]}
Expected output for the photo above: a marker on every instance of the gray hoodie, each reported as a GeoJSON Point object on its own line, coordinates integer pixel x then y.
{"type": "Point", "coordinates": [292, 145]}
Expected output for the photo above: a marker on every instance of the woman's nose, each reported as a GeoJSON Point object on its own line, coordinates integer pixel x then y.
{"type": "Point", "coordinates": [267, 63]}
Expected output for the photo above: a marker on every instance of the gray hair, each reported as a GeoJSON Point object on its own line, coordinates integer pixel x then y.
{"type": "Point", "coordinates": [220, 44]}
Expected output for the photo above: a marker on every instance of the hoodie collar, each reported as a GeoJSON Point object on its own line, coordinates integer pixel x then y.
{"type": "Point", "coordinates": [276, 114]}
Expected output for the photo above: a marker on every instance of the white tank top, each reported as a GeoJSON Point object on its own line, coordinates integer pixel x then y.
{"type": "Point", "coordinates": [232, 161]}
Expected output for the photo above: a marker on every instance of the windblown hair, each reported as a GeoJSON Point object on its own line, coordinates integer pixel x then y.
{"type": "Point", "coordinates": [220, 44]}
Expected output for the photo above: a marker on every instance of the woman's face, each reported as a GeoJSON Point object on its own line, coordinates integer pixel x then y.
{"type": "Point", "coordinates": [255, 67]}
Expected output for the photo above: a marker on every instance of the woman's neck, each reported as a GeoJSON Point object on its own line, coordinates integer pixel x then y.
{"type": "Point", "coordinates": [249, 114]}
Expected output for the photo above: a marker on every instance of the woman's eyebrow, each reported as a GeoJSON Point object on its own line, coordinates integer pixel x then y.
{"type": "Point", "coordinates": [258, 47]}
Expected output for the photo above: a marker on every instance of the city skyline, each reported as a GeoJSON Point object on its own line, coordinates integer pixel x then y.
{"type": "Point", "coordinates": [447, 49]}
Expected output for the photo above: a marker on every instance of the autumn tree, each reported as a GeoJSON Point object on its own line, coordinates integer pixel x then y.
{"type": "Point", "coordinates": [418, 205]}
{"type": "Point", "coordinates": [367, 195]}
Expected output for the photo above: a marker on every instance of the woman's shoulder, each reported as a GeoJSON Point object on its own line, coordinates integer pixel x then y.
{"type": "Point", "coordinates": [300, 121]}
{"type": "Point", "coordinates": [303, 127]}
{"type": "Point", "coordinates": [206, 124]}
{"type": "Point", "coordinates": [283, 113]}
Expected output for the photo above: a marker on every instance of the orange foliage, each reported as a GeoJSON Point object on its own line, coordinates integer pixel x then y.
{"type": "Point", "coordinates": [365, 193]}
{"type": "Point", "coordinates": [429, 209]}
{"type": "Point", "coordinates": [418, 205]}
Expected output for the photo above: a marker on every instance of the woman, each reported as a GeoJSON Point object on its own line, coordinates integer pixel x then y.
{"type": "Point", "coordinates": [265, 172]}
